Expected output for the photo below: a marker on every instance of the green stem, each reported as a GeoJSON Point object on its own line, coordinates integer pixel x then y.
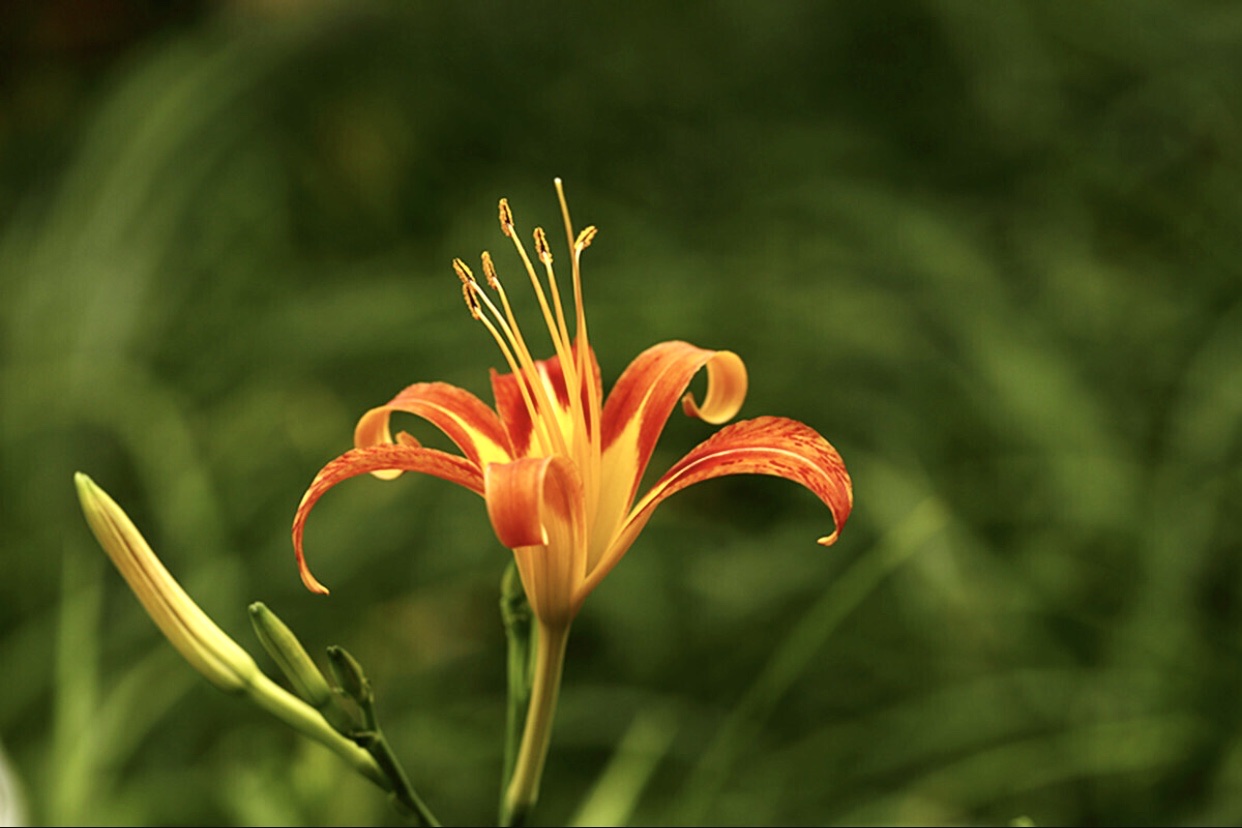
{"type": "Point", "coordinates": [355, 685]}
{"type": "Point", "coordinates": [302, 717]}
{"type": "Point", "coordinates": [523, 788]}
{"type": "Point", "coordinates": [402, 791]}
{"type": "Point", "coordinates": [516, 614]}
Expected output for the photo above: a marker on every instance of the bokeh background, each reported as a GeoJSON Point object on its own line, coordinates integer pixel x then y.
{"type": "Point", "coordinates": [990, 250]}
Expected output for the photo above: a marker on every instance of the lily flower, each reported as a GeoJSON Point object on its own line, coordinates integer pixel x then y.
{"type": "Point", "coordinates": [559, 466]}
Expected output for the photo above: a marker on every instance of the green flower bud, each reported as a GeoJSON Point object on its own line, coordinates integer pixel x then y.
{"type": "Point", "coordinates": [289, 654]}
{"type": "Point", "coordinates": [349, 676]}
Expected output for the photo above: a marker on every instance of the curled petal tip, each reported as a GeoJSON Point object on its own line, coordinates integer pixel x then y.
{"type": "Point", "coordinates": [726, 389]}
{"type": "Point", "coordinates": [312, 583]}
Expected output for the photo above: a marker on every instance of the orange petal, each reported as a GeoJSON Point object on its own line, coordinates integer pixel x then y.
{"type": "Point", "coordinates": [378, 458]}
{"type": "Point", "coordinates": [469, 423]}
{"type": "Point", "coordinates": [536, 507]}
{"type": "Point", "coordinates": [765, 445]}
{"type": "Point", "coordinates": [638, 407]}
{"type": "Point", "coordinates": [640, 403]}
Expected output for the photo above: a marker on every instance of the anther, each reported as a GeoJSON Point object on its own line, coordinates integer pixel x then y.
{"type": "Point", "coordinates": [506, 217]}
{"type": "Point", "coordinates": [541, 246]}
{"type": "Point", "coordinates": [489, 271]}
{"type": "Point", "coordinates": [585, 238]}
{"type": "Point", "coordinates": [472, 301]}
{"type": "Point", "coordinates": [463, 272]}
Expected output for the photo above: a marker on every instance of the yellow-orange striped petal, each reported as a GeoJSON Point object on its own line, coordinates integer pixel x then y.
{"type": "Point", "coordinates": [536, 508]}
{"type": "Point", "coordinates": [765, 445]}
{"type": "Point", "coordinates": [390, 457]}
{"type": "Point", "coordinates": [464, 418]}
{"type": "Point", "coordinates": [637, 409]}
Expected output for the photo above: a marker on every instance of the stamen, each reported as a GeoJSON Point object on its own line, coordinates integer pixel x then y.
{"type": "Point", "coordinates": [551, 431]}
{"type": "Point", "coordinates": [583, 367]}
{"type": "Point", "coordinates": [506, 217]}
{"type": "Point", "coordinates": [506, 333]}
{"type": "Point", "coordinates": [517, 358]}
{"type": "Point", "coordinates": [472, 301]}
{"type": "Point", "coordinates": [541, 246]}
{"type": "Point", "coordinates": [544, 252]}
{"type": "Point", "coordinates": [560, 344]}
{"type": "Point", "coordinates": [585, 238]}
{"type": "Point", "coordinates": [463, 272]}
{"type": "Point", "coordinates": [489, 271]}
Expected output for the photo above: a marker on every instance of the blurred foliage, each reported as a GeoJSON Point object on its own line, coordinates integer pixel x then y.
{"type": "Point", "coordinates": [990, 250]}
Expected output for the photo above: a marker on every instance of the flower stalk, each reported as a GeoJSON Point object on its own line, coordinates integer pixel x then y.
{"type": "Point", "coordinates": [354, 684]}
{"type": "Point", "coordinates": [523, 789]}
{"type": "Point", "coordinates": [516, 615]}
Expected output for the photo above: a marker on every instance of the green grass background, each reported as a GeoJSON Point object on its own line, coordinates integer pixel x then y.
{"type": "Point", "coordinates": [990, 250]}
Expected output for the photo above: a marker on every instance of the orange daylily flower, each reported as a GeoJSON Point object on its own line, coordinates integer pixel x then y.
{"type": "Point", "coordinates": [557, 464]}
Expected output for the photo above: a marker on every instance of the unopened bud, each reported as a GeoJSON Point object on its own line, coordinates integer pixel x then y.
{"type": "Point", "coordinates": [293, 660]}
{"type": "Point", "coordinates": [349, 676]}
{"type": "Point", "coordinates": [211, 652]}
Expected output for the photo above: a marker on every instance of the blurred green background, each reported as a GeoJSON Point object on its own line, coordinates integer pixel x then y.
{"type": "Point", "coordinates": [990, 250]}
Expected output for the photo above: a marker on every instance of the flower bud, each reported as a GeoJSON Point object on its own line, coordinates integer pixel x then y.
{"type": "Point", "coordinates": [349, 675]}
{"type": "Point", "coordinates": [293, 660]}
{"type": "Point", "coordinates": [208, 648]}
